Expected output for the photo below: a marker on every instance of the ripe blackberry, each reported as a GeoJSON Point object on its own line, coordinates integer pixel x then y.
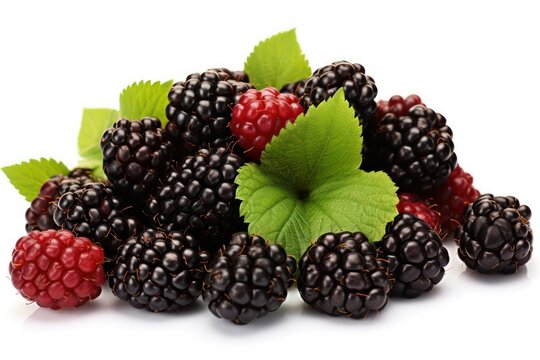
{"type": "Point", "coordinates": [56, 269]}
{"type": "Point", "coordinates": [417, 150]}
{"type": "Point", "coordinates": [200, 110]}
{"type": "Point", "coordinates": [415, 254]}
{"type": "Point", "coordinates": [135, 155]}
{"type": "Point", "coordinates": [397, 105]}
{"type": "Point", "coordinates": [260, 115]}
{"type": "Point", "coordinates": [96, 212]}
{"type": "Point", "coordinates": [453, 196]}
{"type": "Point", "coordinates": [496, 236]}
{"type": "Point", "coordinates": [296, 88]}
{"type": "Point", "coordinates": [341, 275]}
{"type": "Point", "coordinates": [159, 271]}
{"type": "Point", "coordinates": [359, 88]}
{"type": "Point", "coordinates": [247, 279]}
{"type": "Point", "coordinates": [198, 196]}
{"type": "Point", "coordinates": [39, 216]}
{"type": "Point", "coordinates": [412, 204]}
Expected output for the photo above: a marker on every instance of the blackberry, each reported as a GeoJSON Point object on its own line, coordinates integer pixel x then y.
{"type": "Point", "coordinates": [396, 105]}
{"type": "Point", "coordinates": [417, 150]}
{"type": "Point", "coordinates": [200, 110]}
{"type": "Point", "coordinates": [159, 271]}
{"type": "Point", "coordinates": [95, 211]}
{"type": "Point", "coordinates": [198, 196]}
{"type": "Point", "coordinates": [415, 254]}
{"type": "Point", "coordinates": [248, 279]}
{"type": "Point", "coordinates": [496, 236]}
{"type": "Point", "coordinates": [341, 275]}
{"type": "Point", "coordinates": [296, 88]}
{"type": "Point", "coordinates": [39, 216]}
{"type": "Point", "coordinates": [412, 204]}
{"type": "Point", "coordinates": [135, 155]}
{"type": "Point", "coordinates": [360, 89]}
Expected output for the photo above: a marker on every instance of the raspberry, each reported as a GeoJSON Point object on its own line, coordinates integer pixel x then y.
{"type": "Point", "coordinates": [341, 275]}
{"type": "Point", "coordinates": [453, 196]}
{"type": "Point", "coordinates": [397, 105]}
{"type": "Point", "coordinates": [412, 204]}
{"type": "Point", "coordinates": [56, 269]}
{"type": "Point", "coordinates": [159, 271]}
{"type": "Point", "coordinates": [415, 254]}
{"type": "Point", "coordinates": [416, 150]}
{"type": "Point", "coordinates": [200, 110]}
{"type": "Point", "coordinates": [496, 236]}
{"type": "Point", "coordinates": [135, 155]}
{"type": "Point", "coordinates": [39, 216]}
{"type": "Point", "coordinates": [260, 115]}
{"type": "Point", "coordinates": [248, 279]}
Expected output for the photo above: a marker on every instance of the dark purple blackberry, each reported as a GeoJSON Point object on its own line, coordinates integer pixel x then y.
{"type": "Point", "coordinates": [198, 196]}
{"type": "Point", "coordinates": [416, 150]}
{"type": "Point", "coordinates": [248, 279]}
{"type": "Point", "coordinates": [200, 110]}
{"type": "Point", "coordinates": [96, 212]}
{"type": "Point", "coordinates": [39, 216]}
{"type": "Point", "coordinates": [159, 271]}
{"type": "Point", "coordinates": [296, 88]}
{"type": "Point", "coordinates": [341, 275]}
{"type": "Point", "coordinates": [496, 236]}
{"type": "Point", "coordinates": [135, 155]}
{"type": "Point", "coordinates": [415, 254]}
{"type": "Point", "coordinates": [360, 89]}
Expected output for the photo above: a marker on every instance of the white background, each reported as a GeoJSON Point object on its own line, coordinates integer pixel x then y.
{"type": "Point", "coordinates": [476, 64]}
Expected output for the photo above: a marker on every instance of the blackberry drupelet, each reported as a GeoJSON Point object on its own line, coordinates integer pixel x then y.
{"type": "Point", "coordinates": [296, 88]}
{"type": "Point", "coordinates": [496, 236]}
{"type": "Point", "coordinates": [95, 211]}
{"type": "Point", "coordinates": [135, 155]}
{"type": "Point", "coordinates": [342, 275]}
{"type": "Point", "coordinates": [412, 204]}
{"type": "Point", "coordinates": [200, 110]}
{"type": "Point", "coordinates": [248, 279]}
{"type": "Point", "coordinates": [415, 254]}
{"type": "Point", "coordinates": [198, 196]}
{"type": "Point", "coordinates": [39, 216]}
{"type": "Point", "coordinates": [360, 89]}
{"type": "Point", "coordinates": [159, 271]}
{"type": "Point", "coordinates": [417, 150]}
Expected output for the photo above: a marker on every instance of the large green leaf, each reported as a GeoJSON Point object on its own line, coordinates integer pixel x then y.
{"type": "Point", "coordinates": [145, 98]}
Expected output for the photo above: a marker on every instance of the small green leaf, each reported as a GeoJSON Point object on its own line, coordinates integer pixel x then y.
{"type": "Point", "coordinates": [277, 61]}
{"type": "Point", "coordinates": [28, 176]}
{"type": "Point", "coordinates": [94, 123]}
{"type": "Point", "coordinates": [145, 99]}
{"type": "Point", "coordinates": [308, 182]}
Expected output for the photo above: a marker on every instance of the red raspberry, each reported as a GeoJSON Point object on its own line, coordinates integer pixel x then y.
{"type": "Point", "coordinates": [56, 269]}
{"type": "Point", "coordinates": [397, 105]}
{"type": "Point", "coordinates": [453, 196]}
{"type": "Point", "coordinates": [412, 204]}
{"type": "Point", "coordinates": [259, 115]}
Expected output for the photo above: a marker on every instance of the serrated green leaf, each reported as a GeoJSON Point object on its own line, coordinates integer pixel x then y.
{"type": "Point", "coordinates": [277, 61]}
{"type": "Point", "coordinates": [94, 123]}
{"type": "Point", "coordinates": [28, 176]}
{"type": "Point", "coordinates": [308, 182]}
{"type": "Point", "coordinates": [142, 99]}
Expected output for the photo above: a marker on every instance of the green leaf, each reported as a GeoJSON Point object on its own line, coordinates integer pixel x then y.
{"type": "Point", "coordinates": [94, 123]}
{"type": "Point", "coordinates": [308, 182]}
{"type": "Point", "coordinates": [28, 176]}
{"type": "Point", "coordinates": [277, 61]}
{"type": "Point", "coordinates": [145, 99]}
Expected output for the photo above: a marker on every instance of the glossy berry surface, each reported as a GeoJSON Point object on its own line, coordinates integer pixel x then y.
{"type": "Point", "coordinates": [412, 204]}
{"type": "Point", "coordinates": [159, 271]}
{"type": "Point", "coordinates": [296, 88]}
{"type": "Point", "coordinates": [39, 216]}
{"type": "Point", "coordinates": [248, 279]}
{"type": "Point", "coordinates": [496, 235]}
{"type": "Point", "coordinates": [397, 105]}
{"type": "Point", "coordinates": [260, 115]}
{"type": "Point", "coordinates": [198, 196]}
{"type": "Point", "coordinates": [415, 254]}
{"type": "Point", "coordinates": [342, 275]}
{"type": "Point", "coordinates": [135, 154]}
{"type": "Point", "coordinates": [57, 270]}
{"type": "Point", "coordinates": [453, 196]}
{"type": "Point", "coordinates": [98, 213]}
{"type": "Point", "coordinates": [200, 110]}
